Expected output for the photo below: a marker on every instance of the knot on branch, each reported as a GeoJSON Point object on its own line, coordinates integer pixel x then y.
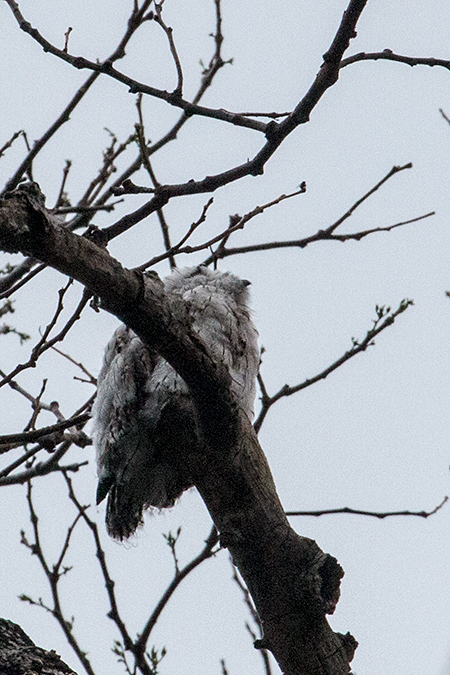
{"type": "Point", "coordinates": [23, 218]}
{"type": "Point", "coordinates": [97, 236]}
{"type": "Point", "coordinates": [331, 574]}
{"type": "Point", "coordinates": [349, 644]}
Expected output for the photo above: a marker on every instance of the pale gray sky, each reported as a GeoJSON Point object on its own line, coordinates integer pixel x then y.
{"type": "Point", "coordinates": [374, 435]}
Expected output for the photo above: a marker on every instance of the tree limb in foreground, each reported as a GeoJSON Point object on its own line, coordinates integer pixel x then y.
{"type": "Point", "coordinates": [292, 582]}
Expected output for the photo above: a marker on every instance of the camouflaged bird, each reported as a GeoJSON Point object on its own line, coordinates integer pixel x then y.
{"type": "Point", "coordinates": [144, 412]}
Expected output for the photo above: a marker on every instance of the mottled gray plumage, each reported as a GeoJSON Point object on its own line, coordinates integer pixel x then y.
{"type": "Point", "coordinates": [144, 412]}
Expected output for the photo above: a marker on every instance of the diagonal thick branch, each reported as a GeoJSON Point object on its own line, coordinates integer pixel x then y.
{"type": "Point", "coordinates": [292, 582]}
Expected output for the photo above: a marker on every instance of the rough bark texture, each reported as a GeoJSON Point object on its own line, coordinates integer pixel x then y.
{"type": "Point", "coordinates": [292, 582]}
{"type": "Point", "coordinates": [20, 656]}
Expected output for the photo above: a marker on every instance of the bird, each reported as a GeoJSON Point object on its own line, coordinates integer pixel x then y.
{"type": "Point", "coordinates": [144, 412]}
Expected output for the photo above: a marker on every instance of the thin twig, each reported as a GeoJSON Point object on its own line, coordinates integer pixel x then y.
{"type": "Point", "coordinates": [209, 72]}
{"type": "Point", "coordinates": [9, 143]}
{"type": "Point", "coordinates": [178, 91]}
{"type": "Point", "coordinates": [138, 648]}
{"type": "Point", "coordinates": [37, 408]}
{"type": "Point", "coordinates": [17, 273]}
{"type": "Point", "coordinates": [36, 434]}
{"type": "Point", "coordinates": [133, 85]}
{"type": "Point", "coordinates": [140, 134]}
{"type": "Point", "coordinates": [53, 575]}
{"type": "Point", "coordinates": [39, 144]}
{"type": "Point", "coordinates": [207, 552]}
{"type": "Point", "coordinates": [446, 118]}
{"type": "Point", "coordinates": [388, 55]}
{"type": "Point", "coordinates": [92, 379]}
{"type": "Point", "coordinates": [61, 200]}
{"type": "Point", "coordinates": [254, 614]}
{"type": "Point", "coordinates": [271, 115]}
{"type": "Point", "coordinates": [347, 214]}
{"type": "Point", "coordinates": [26, 394]}
{"type": "Point", "coordinates": [320, 235]}
{"type": "Point", "coordinates": [44, 343]}
{"type": "Point", "coordinates": [374, 514]}
{"type": "Point", "coordinates": [236, 223]}
{"type": "Point", "coordinates": [109, 583]}
{"type": "Point", "coordinates": [43, 468]}
{"type": "Point", "coordinates": [274, 132]}
{"type": "Point", "coordinates": [86, 208]}
{"type": "Point", "coordinates": [385, 318]}
{"type": "Point", "coordinates": [174, 250]}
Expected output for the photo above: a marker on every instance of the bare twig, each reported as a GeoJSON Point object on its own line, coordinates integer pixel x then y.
{"type": "Point", "coordinates": [174, 250]}
{"type": "Point", "coordinates": [8, 283]}
{"type": "Point", "coordinates": [92, 379]}
{"type": "Point", "coordinates": [385, 318]}
{"type": "Point", "coordinates": [374, 514]}
{"type": "Point", "coordinates": [134, 22]}
{"type": "Point", "coordinates": [140, 134]}
{"type": "Point", "coordinates": [320, 235]}
{"type": "Point", "coordinates": [446, 118]}
{"type": "Point", "coordinates": [347, 214]}
{"type": "Point", "coordinates": [44, 343]}
{"type": "Point", "coordinates": [236, 223]}
{"type": "Point", "coordinates": [43, 468]}
{"type": "Point", "coordinates": [53, 574]}
{"type": "Point", "coordinates": [171, 541]}
{"type": "Point", "coordinates": [109, 583]}
{"type": "Point", "coordinates": [388, 55]}
{"type": "Point", "coordinates": [209, 72]}
{"type": "Point", "coordinates": [39, 144]}
{"type": "Point", "coordinates": [271, 115]}
{"type": "Point", "coordinates": [255, 618]}
{"type": "Point", "coordinates": [86, 208]}
{"type": "Point", "coordinates": [207, 552]}
{"type": "Point", "coordinates": [134, 86]}
{"type": "Point", "coordinates": [328, 233]}
{"type": "Point", "coordinates": [36, 434]}
{"type": "Point", "coordinates": [9, 143]}
{"type": "Point", "coordinates": [36, 408]}
{"type": "Point", "coordinates": [26, 394]}
{"type": "Point", "coordinates": [66, 38]}
{"type": "Point", "coordinates": [275, 133]}
{"type": "Point", "coordinates": [138, 648]}
{"type": "Point", "coordinates": [61, 200]}
{"type": "Point", "coordinates": [178, 91]}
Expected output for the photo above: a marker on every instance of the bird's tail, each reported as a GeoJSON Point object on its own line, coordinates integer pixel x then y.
{"type": "Point", "coordinates": [123, 513]}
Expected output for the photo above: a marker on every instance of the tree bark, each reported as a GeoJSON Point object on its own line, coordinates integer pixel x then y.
{"type": "Point", "coordinates": [20, 656]}
{"type": "Point", "coordinates": [292, 582]}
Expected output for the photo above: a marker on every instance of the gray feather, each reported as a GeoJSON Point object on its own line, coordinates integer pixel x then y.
{"type": "Point", "coordinates": [144, 413]}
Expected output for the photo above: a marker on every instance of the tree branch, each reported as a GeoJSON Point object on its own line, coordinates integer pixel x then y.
{"type": "Point", "coordinates": [385, 318]}
{"type": "Point", "coordinates": [207, 552]}
{"type": "Point", "coordinates": [133, 85]}
{"type": "Point", "coordinates": [388, 55]}
{"type": "Point", "coordinates": [54, 574]}
{"type": "Point", "coordinates": [375, 514]}
{"type": "Point", "coordinates": [293, 583]}
{"type": "Point", "coordinates": [274, 132]}
{"type": "Point", "coordinates": [20, 656]}
{"type": "Point", "coordinates": [36, 434]}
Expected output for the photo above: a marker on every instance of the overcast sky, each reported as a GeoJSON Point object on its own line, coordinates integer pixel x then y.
{"type": "Point", "coordinates": [374, 435]}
